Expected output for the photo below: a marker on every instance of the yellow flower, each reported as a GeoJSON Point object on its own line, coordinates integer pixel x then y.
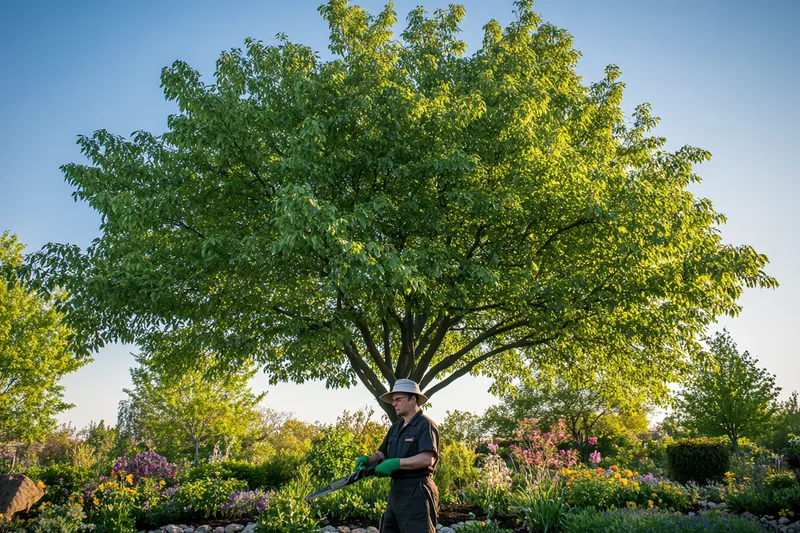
{"type": "Point", "coordinates": [632, 505]}
{"type": "Point", "coordinates": [728, 475]}
{"type": "Point", "coordinates": [101, 487]}
{"type": "Point", "coordinates": [649, 503]}
{"type": "Point", "coordinates": [129, 478]}
{"type": "Point", "coordinates": [40, 484]}
{"type": "Point", "coordinates": [95, 501]}
{"type": "Point", "coordinates": [624, 482]}
{"type": "Point", "coordinates": [162, 482]}
{"type": "Point", "coordinates": [628, 473]}
{"type": "Point", "coordinates": [636, 484]}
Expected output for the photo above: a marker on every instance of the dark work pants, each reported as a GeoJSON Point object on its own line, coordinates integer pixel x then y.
{"type": "Point", "coordinates": [412, 507]}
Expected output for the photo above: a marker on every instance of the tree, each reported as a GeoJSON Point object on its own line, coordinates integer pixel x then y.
{"type": "Point", "coordinates": [34, 353]}
{"type": "Point", "coordinates": [402, 210]}
{"type": "Point", "coordinates": [586, 411]}
{"type": "Point", "coordinates": [785, 422]}
{"type": "Point", "coordinates": [729, 395]}
{"type": "Point", "coordinates": [187, 412]}
{"type": "Point", "coordinates": [463, 426]}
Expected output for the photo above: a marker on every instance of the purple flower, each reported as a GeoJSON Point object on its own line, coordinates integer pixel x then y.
{"type": "Point", "coordinates": [594, 457]}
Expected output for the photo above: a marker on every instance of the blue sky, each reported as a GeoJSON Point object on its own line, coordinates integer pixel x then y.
{"type": "Point", "coordinates": [722, 75]}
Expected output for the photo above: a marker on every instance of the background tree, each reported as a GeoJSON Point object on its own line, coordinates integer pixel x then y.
{"type": "Point", "coordinates": [463, 426]}
{"type": "Point", "coordinates": [176, 414]}
{"type": "Point", "coordinates": [34, 353]}
{"type": "Point", "coordinates": [586, 411]}
{"type": "Point", "coordinates": [785, 422]}
{"type": "Point", "coordinates": [729, 395]}
{"type": "Point", "coordinates": [402, 210]}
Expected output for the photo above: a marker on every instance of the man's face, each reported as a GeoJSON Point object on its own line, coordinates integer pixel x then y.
{"type": "Point", "coordinates": [403, 403]}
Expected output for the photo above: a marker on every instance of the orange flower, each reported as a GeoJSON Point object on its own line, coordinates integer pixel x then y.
{"type": "Point", "coordinates": [614, 468]}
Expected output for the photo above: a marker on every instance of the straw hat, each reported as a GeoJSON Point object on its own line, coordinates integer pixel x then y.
{"type": "Point", "coordinates": [407, 386]}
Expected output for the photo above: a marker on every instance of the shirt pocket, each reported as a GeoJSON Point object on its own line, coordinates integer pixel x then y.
{"type": "Point", "coordinates": [408, 446]}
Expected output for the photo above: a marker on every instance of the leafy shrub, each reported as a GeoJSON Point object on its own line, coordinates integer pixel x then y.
{"type": "Point", "coordinates": [781, 480]}
{"type": "Point", "coordinates": [287, 511]}
{"type": "Point", "coordinates": [205, 497]}
{"type": "Point", "coordinates": [489, 526]}
{"type": "Point", "coordinates": [68, 518]}
{"type": "Point", "coordinates": [113, 505]}
{"type": "Point", "coordinates": [332, 453]}
{"type": "Point", "coordinates": [269, 475]}
{"type": "Point", "coordinates": [793, 451]}
{"type": "Point", "coordinates": [60, 480]}
{"type": "Point", "coordinates": [698, 460]}
{"type": "Point", "coordinates": [245, 503]}
{"type": "Point", "coordinates": [365, 499]}
{"type": "Point", "coordinates": [762, 499]}
{"type": "Point", "coordinates": [540, 503]}
{"type": "Point", "coordinates": [641, 521]}
{"type": "Point", "coordinates": [456, 471]}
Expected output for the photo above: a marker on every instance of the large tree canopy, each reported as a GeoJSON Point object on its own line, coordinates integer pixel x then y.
{"type": "Point", "coordinates": [402, 210]}
{"type": "Point", "coordinates": [34, 353]}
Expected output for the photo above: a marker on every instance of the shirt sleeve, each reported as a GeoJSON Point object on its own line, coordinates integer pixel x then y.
{"type": "Point", "coordinates": [428, 439]}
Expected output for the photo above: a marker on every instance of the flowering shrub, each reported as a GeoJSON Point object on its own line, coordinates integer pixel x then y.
{"type": "Point", "coordinates": [145, 465]}
{"type": "Point", "coordinates": [245, 503]}
{"type": "Point", "coordinates": [614, 488]}
{"type": "Point", "coordinates": [493, 484]}
{"type": "Point", "coordinates": [540, 450]}
{"type": "Point", "coordinates": [112, 507]}
{"type": "Point", "coordinates": [6, 462]}
{"type": "Point", "coordinates": [67, 518]}
{"type": "Point", "coordinates": [204, 498]}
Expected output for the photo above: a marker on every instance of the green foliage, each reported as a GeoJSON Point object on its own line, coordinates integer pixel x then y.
{"type": "Point", "coordinates": [729, 395]}
{"type": "Point", "coordinates": [332, 453]}
{"type": "Point", "coordinates": [67, 518]}
{"type": "Point", "coordinates": [456, 471]}
{"type": "Point", "coordinates": [698, 459]}
{"type": "Point", "coordinates": [202, 498]}
{"type": "Point", "coordinates": [762, 499]}
{"type": "Point", "coordinates": [365, 499]}
{"type": "Point", "coordinates": [461, 426]}
{"type": "Point", "coordinates": [116, 507]}
{"type": "Point", "coordinates": [786, 421]}
{"type": "Point", "coordinates": [269, 475]}
{"type": "Point", "coordinates": [637, 521]}
{"type": "Point", "coordinates": [35, 352]}
{"type": "Point", "coordinates": [401, 210]}
{"type": "Point", "coordinates": [793, 450]}
{"type": "Point", "coordinates": [60, 480]}
{"type": "Point", "coordinates": [487, 526]}
{"type": "Point", "coordinates": [781, 480]}
{"type": "Point", "coordinates": [182, 414]}
{"type": "Point", "coordinates": [540, 503]}
{"type": "Point", "coordinates": [287, 512]}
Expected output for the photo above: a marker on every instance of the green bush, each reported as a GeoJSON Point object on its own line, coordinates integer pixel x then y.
{"type": "Point", "coordinates": [793, 451]}
{"type": "Point", "coordinates": [202, 498]}
{"type": "Point", "coordinates": [698, 460]}
{"type": "Point", "coordinates": [270, 475]}
{"type": "Point", "coordinates": [763, 499]}
{"type": "Point", "coordinates": [332, 453]}
{"type": "Point", "coordinates": [60, 481]}
{"type": "Point", "coordinates": [287, 511]}
{"type": "Point", "coordinates": [363, 500]}
{"type": "Point", "coordinates": [781, 480]}
{"type": "Point", "coordinates": [67, 518]}
{"type": "Point", "coordinates": [456, 471]}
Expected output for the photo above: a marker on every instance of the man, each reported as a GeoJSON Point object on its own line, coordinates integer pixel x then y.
{"type": "Point", "coordinates": [409, 454]}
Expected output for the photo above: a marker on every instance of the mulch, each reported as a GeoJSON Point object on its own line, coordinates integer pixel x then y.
{"type": "Point", "coordinates": [448, 515]}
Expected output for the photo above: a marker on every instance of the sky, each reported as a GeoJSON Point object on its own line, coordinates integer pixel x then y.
{"type": "Point", "coordinates": [721, 74]}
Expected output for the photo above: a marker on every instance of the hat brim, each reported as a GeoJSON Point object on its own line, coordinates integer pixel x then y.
{"type": "Point", "coordinates": [421, 398]}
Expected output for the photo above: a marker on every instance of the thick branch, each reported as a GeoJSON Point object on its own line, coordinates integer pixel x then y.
{"type": "Point", "coordinates": [435, 342]}
{"type": "Point", "coordinates": [478, 360]}
{"type": "Point", "coordinates": [372, 349]}
{"type": "Point", "coordinates": [453, 358]}
{"type": "Point", "coordinates": [363, 371]}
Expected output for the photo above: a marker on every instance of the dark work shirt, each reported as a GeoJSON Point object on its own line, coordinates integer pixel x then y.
{"type": "Point", "coordinates": [420, 435]}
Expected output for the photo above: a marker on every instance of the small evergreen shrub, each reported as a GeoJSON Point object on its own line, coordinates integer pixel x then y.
{"type": "Point", "coordinates": [698, 460]}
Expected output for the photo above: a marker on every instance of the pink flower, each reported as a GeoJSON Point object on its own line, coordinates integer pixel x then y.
{"type": "Point", "coordinates": [593, 441]}
{"type": "Point", "coordinates": [493, 447]}
{"type": "Point", "coordinates": [594, 457]}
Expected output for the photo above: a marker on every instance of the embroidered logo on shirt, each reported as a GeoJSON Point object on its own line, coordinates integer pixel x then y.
{"type": "Point", "coordinates": [409, 439]}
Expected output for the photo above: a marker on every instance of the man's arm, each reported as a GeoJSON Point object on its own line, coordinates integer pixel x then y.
{"type": "Point", "coordinates": [421, 460]}
{"type": "Point", "coordinates": [375, 458]}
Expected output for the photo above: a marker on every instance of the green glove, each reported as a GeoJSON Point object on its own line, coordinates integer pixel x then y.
{"type": "Point", "coordinates": [387, 467]}
{"type": "Point", "coordinates": [362, 463]}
